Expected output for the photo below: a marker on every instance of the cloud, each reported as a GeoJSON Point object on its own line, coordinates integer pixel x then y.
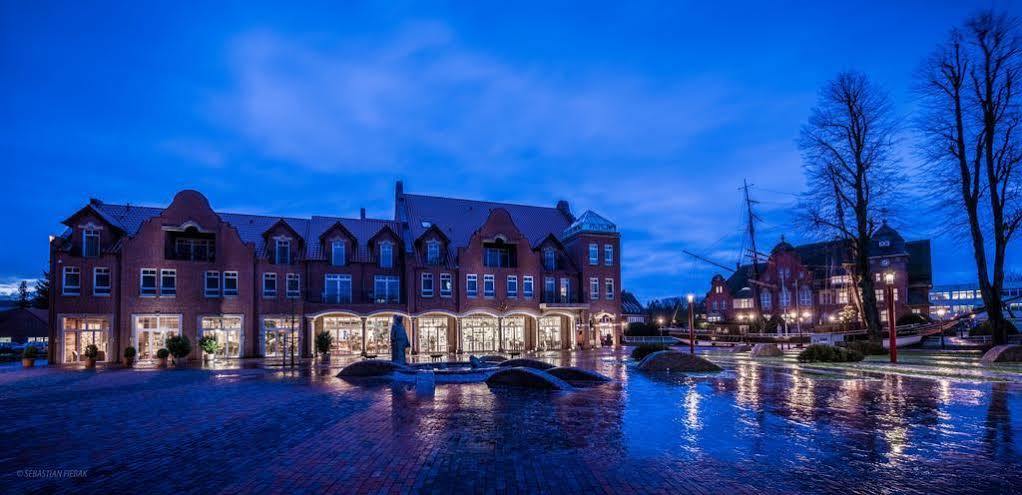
{"type": "Point", "coordinates": [355, 105]}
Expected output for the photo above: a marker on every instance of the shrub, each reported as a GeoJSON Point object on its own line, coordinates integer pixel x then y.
{"type": "Point", "coordinates": [208, 344]}
{"type": "Point", "coordinates": [91, 351]}
{"type": "Point", "coordinates": [129, 352]}
{"type": "Point", "coordinates": [828, 354]}
{"type": "Point", "coordinates": [323, 342]}
{"type": "Point", "coordinates": [162, 353]}
{"type": "Point", "coordinates": [866, 347]}
{"type": "Point", "coordinates": [179, 346]}
{"type": "Point", "coordinates": [646, 349]}
{"type": "Point", "coordinates": [30, 352]}
{"type": "Point", "coordinates": [773, 324]}
{"type": "Point", "coordinates": [986, 329]}
{"type": "Point", "coordinates": [912, 319]}
{"type": "Point", "coordinates": [638, 329]}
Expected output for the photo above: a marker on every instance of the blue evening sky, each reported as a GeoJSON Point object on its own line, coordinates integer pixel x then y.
{"type": "Point", "coordinates": [648, 113]}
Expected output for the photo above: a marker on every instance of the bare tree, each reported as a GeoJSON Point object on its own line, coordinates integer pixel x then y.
{"type": "Point", "coordinates": [970, 126]}
{"type": "Point", "coordinates": [847, 149]}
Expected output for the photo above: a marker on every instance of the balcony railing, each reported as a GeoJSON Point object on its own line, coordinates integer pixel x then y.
{"type": "Point", "coordinates": [570, 298]}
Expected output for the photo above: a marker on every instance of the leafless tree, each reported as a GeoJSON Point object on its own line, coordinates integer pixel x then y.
{"type": "Point", "coordinates": [847, 149]}
{"type": "Point", "coordinates": [970, 125]}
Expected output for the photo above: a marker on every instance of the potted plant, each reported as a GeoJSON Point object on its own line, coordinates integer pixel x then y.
{"type": "Point", "coordinates": [28, 356]}
{"type": "Point", "coordinates": [91, 353]}
{"type": "Point", "coordinates": [323, 342]}
{"type": "Point", "coordinates": [209, 347]}
{"type": "Point", "coordinates": [179, 347]}
{"type": "Point", "coordinates": [161, 356]}
{"type": "Point", "coordinates": [129, 356]}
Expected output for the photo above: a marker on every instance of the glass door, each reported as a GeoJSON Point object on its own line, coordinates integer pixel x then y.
{"type": "Point", "coordinates": [152, 332]}
{"type": "Point", "coordinates": [227, 332]}
{"type": "Point", "coordinates": [550, 333]}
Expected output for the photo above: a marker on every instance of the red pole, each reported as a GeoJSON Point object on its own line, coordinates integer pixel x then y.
{"type": "Point", "coordinates": [890, 324]}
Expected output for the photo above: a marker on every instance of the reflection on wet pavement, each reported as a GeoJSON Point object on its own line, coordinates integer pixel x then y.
{"type": "Point", "coordinates": [760, 426]}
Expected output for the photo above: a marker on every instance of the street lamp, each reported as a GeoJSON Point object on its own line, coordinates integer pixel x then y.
{"type": "Point", "coordinates": [805, 316]}
{"type": "Point", "coordinates": [691, 325]}
{"type": "Point", "coordinates": [889, 280]}
{"type": "Point", "coordinates": [660, 325]}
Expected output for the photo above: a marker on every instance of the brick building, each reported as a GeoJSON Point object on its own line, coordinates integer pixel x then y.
{"type": "Point", "coordinates": [464, 276]}
{"type": "Point", "coordinates": [810, 284]}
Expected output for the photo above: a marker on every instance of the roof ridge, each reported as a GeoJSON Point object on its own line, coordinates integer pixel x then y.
{"type": "Point", "coordinates": [505, 203]}
{"type": "Point", "coordinates": [260, 215]}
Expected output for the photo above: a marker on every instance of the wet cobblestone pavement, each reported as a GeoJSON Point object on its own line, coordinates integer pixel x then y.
{"type": "Point", "coordinates": [759, 427]}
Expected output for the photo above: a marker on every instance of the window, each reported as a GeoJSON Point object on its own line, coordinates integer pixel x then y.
{"type": "Point", "coordinates": [283, 252]}
{"type": "Point", "coordinates": [594, 288]}
{"type": "Point", "coordinates": [549, 259]}
{"type": "Point", "coordinates": [446, 285]}
{"type": "Point", "coordinates": [212, 284]}
{"type": "Point", "coordinates": [193, 249]}
{"type": "Point", "coordinates": [550, 287]}
{"type": "Point", "coordinates": [805, 296]}
{"type": "Point", "coordinates": [716, 306]}
{"type": "Point", "coordinates": [594, 254]}
{"type": "Point", "coordinates": [609, 289]}
{"type": "Point", "coordinates": [433, 252]}
{"type": "Point", "coordinates": [387, 289]}
{"type": "Point", "coordinates": [745, 303]}
{"type": "Point", "coordinates": [512, 286]}
{"type": "Point", "coordinates": [72, 283]}
{"type": "Point", "coordinates": [842, 297]}
{"type": "Point", "coordinates": [337, 288]}
{"type": "Point", "coordinates": [527, 286]}
{"type": "Point", "coordinates": [90, 243]}
{"type": "Point", "coordinates": [565, 290]}
{"type": "Point", "coordinates": [147, 282]}
{"type": "Point", "coordinates": [608, 254]}
{"type": "Point", "coordinates": [785, 297]}
{"type": "Point", "coordinates": [723, 304]}
{"type": "Point", "coordinates": [294, 285]}
{"type": "Point", "coordinates": [471, 285]}
{"type": "Point", "coordinates": [765, 301]}
{"type": "Point", "coordinates": [489, 289]}
{"type": "Point", "coordinates": [426, 286]}
{"type": "Point", "coordinates": [269, 285]}
{"type": "Point", "coordinates": [101, 281]}
{"type": "Point", "coordinates": [338, 254]}
{"type": "Point", "coordinates": [386, 255]}
{"type": "Point", "coordinates": [230, 283]}
{"type": "Point", "coordinates": [168, 282]}
{"type": "Point", "coordinates": [499, 255]}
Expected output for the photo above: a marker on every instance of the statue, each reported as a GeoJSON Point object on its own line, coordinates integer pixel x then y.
{"type": "Point", "coordinates": [398, 341]}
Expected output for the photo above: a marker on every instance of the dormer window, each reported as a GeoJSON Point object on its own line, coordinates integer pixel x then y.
{"type": "Point", "coordinates": [282, 252]}
{"type": "Point", "coordinates": [433, 252]}
{"type": "Point", "coordinates": [499, 255]}
{"type": "Point", "coordinates": [386, 255]}
{"type": "Point", "coordinates": [338, 253]}
{"type": "Point", "coordinates": [90, 243]}
{"type": "Point", "coordinates": [549, 259]}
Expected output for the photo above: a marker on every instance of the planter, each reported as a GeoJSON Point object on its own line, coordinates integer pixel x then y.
{"type": "Point", "coordinates": [161, 362]}
{"type": "Point", "coordinates": [90, 363]}
{"type": "Point", "coordinates": [28, 362]}
{"type": "Point", "coordinates": [208, 357]}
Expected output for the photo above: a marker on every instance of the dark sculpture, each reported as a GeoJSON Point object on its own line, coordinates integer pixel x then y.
{"type": "Point", "coordinates": [398, 341]}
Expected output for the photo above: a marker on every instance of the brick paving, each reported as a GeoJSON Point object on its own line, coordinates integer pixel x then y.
{"type": "Point", "coordinates": [752, 429]}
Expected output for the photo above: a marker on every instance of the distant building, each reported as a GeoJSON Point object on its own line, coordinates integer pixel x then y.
{"type": "Point", "coordinates": [462, 275]}
{"type": "Point", "coordinates": [632, 309]}
{"type": "Point", "coordinates": [811, 282]}
{"type": "Point", "coordinates": [959, 299]}
{"type": "Point", "coordinates": [24, 326]}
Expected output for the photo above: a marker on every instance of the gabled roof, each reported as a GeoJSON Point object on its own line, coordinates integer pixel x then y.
{"type": "Point", "coordinates": [630, 305]}
{"type": "Point", "coordinates": [458, 219]}
{"type": "Point", "coordinates": [281, 222]}
{"type": "Point", "coordinates": [251, 227]}
{"type": "Point", "coordinates": [92, 207]}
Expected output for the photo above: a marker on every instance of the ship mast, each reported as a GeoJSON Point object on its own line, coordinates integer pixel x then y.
{"type": "Point", "coordinates": [751, 229]}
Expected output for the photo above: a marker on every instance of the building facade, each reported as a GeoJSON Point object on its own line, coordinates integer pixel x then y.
{"type": "Point", "coordinates": [959, 299]}
{"type": "Point", "coordinates": [810, 284]}
{"type": "Point", "coordinates": [461, 275]}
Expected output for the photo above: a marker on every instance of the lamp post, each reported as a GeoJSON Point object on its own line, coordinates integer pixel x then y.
{"type": "Point", "coordinates": [691, 325]}
{"type": "Point", "coordinates": [660, 326]}
{"type": "Point", "coordinates": [940, 316]}
{"type": "Point", "coordinates": [889, 280]}
{"type": "Point", "coordinates": [806, 315]}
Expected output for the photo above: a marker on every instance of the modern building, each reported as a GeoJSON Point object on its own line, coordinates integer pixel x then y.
{"type": "Point", "coordinates": [24, 326]}
{"type": "Point", "coordinates": [462, 276]}
{"type": "Point", "coordinates": [632, 309]}
{"type": "Point", "coordinates": [810, 284]}
{"type": "Point", "coordinates": [957, 299]}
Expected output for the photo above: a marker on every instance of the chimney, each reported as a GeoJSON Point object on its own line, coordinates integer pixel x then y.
{"type": "Point", "coordinates": [562, 206]}
{"type": "Point", "coordinates": [362, 213]}
{"type": "Point", "coordinates": [399, 188]}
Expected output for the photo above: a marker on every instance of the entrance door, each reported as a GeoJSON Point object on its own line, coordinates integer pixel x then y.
{"type": "Point", "coordinates": [227, 332]}
{"type": "Point", "coordinates": [433, 334]}
{"type": "Point", "coordinates": [550, 333]}
{"type": "Point", "coordinates": [346, 332]}
{"type": "Point", "coordinates": [152, 332]}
